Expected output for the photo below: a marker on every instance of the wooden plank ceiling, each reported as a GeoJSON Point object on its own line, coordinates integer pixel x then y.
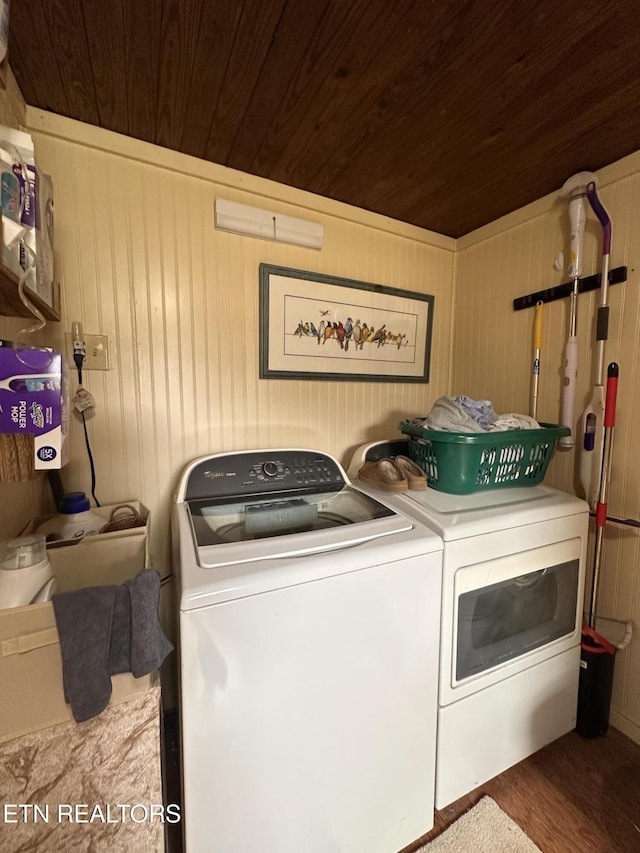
{"type": "Point", "coordinates": [443, 114]}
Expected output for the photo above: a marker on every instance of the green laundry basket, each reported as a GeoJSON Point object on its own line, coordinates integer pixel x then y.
{"type": "Point", "coordinates": [462, 463]}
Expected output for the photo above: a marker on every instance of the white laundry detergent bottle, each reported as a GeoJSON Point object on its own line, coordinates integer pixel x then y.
{"type": "Point", "coordinates": [26, 576]}
{"type": "Point", "coordinates": [75, 520]}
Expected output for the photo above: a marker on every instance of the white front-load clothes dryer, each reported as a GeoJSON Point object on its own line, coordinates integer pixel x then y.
{"type": "Point", "coordinates": [309, 623]}
{"type": "Point", "coordinates": [512, 603]}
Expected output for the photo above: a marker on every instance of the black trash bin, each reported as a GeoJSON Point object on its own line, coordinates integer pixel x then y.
{"type": "Point", "coordinates": [597, 657]}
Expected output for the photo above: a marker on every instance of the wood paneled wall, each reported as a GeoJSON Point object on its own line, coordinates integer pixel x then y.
{"type": "Point", "coordinates": [140, 261]}
{"type": "Point", "coordinates": [493, 358]}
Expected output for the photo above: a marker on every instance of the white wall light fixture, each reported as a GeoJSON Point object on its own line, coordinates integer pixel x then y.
{"type": "Point", "coordinates": [255, 222]}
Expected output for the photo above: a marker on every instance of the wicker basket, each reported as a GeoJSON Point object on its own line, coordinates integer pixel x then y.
{"type": "Point", "coordinates": [463, 463]}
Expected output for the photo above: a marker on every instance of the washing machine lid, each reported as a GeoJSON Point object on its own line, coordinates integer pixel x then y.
{"type": "Point", "coordinates": [255, 505]}
{"type": "Point", "coordinates": [459, 516]}
{"type": "Point", "coordinates": [241, 531]}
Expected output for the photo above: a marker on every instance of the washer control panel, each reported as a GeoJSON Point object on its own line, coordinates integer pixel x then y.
{"type": "Point", "coordinates": [262, 472]}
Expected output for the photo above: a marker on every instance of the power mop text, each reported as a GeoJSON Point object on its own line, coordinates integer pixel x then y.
{"type": "Point", "coordinates": [85, 813]}
{"type": "Point", "coordinates": [19, 414]}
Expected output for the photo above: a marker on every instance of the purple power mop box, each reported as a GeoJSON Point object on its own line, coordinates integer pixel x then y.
{"type": "Point", "coordinates": [34, 392]}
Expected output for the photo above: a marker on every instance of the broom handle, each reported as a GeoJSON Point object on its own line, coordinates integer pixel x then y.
{"type": "Point", "coordinates": [537, 345]}
{"type": "Point", "coordinates": [605, 475]}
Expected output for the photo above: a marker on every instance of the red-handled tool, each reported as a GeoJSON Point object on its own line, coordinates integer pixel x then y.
{"type": "Point", "coordinates": [593, 415]}
{"type": "Point", "coordinates": [605, 475]}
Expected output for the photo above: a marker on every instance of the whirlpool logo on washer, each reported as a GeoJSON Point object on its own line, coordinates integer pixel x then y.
{"type": "Point", "coordinates": [214, 475]}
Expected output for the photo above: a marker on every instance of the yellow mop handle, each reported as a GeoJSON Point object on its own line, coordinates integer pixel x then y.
{"type": "Point", "coordinates": [537, 346]}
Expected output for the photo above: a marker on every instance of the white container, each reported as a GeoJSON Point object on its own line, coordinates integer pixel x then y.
{"type": "Point", "coordinates": [75, 521]}
{"type": "Point", "coordinates": [26, 576]}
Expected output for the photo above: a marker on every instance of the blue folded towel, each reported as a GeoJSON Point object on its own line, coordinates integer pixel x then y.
{"type": "Point", "coordinates": [105, 630]}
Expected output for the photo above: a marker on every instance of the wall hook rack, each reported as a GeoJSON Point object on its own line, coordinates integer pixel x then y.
{"type": "Point", "coordinates": [591, 282]}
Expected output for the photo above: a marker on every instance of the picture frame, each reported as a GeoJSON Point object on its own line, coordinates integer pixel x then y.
{"type": "Point", "coordinates": [316, 326]}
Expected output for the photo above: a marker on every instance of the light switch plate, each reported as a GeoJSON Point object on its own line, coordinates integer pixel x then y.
{"type": "Point", "coordinates": [97, 347]}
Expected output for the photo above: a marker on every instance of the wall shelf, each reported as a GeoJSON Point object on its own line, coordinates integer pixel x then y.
{"type": "Point", "coordinates": [11, 304]}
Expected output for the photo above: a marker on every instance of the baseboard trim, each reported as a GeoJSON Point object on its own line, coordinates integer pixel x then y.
{"type": "Point", "coordinates": [625, 725]}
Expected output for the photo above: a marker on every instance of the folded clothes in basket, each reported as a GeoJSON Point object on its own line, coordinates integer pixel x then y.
{"type": "Point", "coordinates": [464, 414]}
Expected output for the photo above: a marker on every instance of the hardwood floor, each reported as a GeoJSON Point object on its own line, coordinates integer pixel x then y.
{"type": "Point", "coordinates": [573, 796]}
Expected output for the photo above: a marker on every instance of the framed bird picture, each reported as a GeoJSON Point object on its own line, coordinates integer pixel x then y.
{"type": "Point", "coordinates": [315, 326]}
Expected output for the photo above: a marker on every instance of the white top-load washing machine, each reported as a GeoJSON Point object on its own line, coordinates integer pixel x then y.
{"type": "Point", "coordinates": [309, 624]}
{"type": "Point", "coordinates": [512, 603]}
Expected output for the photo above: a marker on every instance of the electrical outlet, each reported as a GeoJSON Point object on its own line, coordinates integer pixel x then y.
{"type": "Point", "coordinates": [97, 347]}
{"type": "Point", "coordinates": [97, 352]}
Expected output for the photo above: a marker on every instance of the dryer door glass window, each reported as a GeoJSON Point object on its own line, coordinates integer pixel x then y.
{"type": "Point", "coordinates": [502, 621]}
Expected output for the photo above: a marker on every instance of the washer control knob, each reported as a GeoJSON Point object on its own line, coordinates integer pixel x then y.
{"type": "Point", "coordinates": [270, 469]}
